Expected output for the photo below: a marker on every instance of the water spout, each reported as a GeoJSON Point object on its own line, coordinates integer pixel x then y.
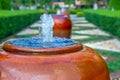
{"type": "Point", "coordinates": [47, 28]}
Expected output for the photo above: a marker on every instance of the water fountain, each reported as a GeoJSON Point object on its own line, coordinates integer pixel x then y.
{"type": "Point", "coordinates": [62, 26]}
{"type": "Point", "coordinates": [50, 58]}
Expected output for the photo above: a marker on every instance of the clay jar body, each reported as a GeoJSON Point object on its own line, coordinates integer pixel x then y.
{"type": "Point", "coordinates": [62, 26]}
{"type": "Point", "coordinates": [75, 62]}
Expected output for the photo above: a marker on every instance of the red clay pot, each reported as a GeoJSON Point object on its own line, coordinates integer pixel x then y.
{"type": "Point", "coordinates": [75, 62]}
{"type": "Point", "coordinates": [62, 26]}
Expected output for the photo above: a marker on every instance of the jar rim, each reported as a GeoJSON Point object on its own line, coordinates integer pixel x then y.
{"type": "Point", "coordinates": [44, 51]}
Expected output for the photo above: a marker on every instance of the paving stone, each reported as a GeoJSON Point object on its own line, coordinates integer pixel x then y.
{"type": "Point", "coordinates": [79, 21]}
{"type": "Point", "coordinates": [35, 25]}
{"type": "Point", "coordinates": [81, 18]}
{"type": "Point", "coordinates": [84, 25]}
{"type": "Point", "coordinates": [111, 45]}
{"type": "Point", "coordinates": [92, 32]}
{"type": "Point", "coordinates": [39, 22]}
{"type": "Point", "coordinates": [72, 15]}
{"type": "Point", "coordinates": [109, 58]}
{"type": "Point", "coordinates": [28, 31]}
{"type": "Point", "coordinates": [115, 75]}
{"type": "Point", "coordinates": [79, 37]}
{"type": "Point", "coordinates": [77, 18]}
{"type": "Point", "coordinates": [75, 28]}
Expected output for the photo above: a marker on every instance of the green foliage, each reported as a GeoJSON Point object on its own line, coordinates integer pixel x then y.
{"type": "Point", "coordinates": [51, 11]}
{"type": "Point", "coordinates": [69, 1]}
{"type": "Point", "coordinates": [13, 21]}
{"type": "Point", "coordinates": [108, 1]}
{"type": "Point", "coordinates": [105, 19]}
{"type": "Point", "coordinates": [74, 11]}
{"type": "Point", "coordinates": [41, 11]}
{"type": "Point", "coordinates": [5, 4]}
{"type": "Point", "coordinates": [0, 5]}
{"type": "Point", "coordinates": [80, 14]}
{"type": "Point", "coordinates": [114, 4]}
{"type": "Point", "coordinates": [88, 2]}
{"type": "Point", "coordinates": [114, 65]}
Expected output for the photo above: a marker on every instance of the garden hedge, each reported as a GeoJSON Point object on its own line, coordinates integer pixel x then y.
{"type": "Point", "coordinates": [13, 21]}
{"type": "Point", "coordinates": [80, 14]}
{"type": "Point", "coordinates": [5, 4]}
{"type": "Point", "coordinates": [75, 11]}
{"type": "Point", "coordinates": [71, 11]}
{"type": "Point", "coordinates": [105, 19]}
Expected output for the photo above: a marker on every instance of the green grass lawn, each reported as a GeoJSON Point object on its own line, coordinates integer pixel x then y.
{"type": "Point", "coordinates": [26, 36]}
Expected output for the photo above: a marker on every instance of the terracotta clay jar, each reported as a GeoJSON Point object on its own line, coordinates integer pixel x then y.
{"type": "Point", "coordinates": [74, 62]}
{"type": "Point", "coordinates": [62, 26]}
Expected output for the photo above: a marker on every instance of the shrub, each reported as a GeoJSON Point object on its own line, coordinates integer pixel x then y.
{"type": "Point", "coordinates": [51, 11]}
{"type": "Point", "coordinates": [0, 5]}
{"type": "Point", "coordinates": [13, 21]}
{"type": "Point", "coordinates": [114, 4]}
{"type": "Point", "coordinates": [105, 19]}
{"type": "Point", "coordinates": [74, 11]}
{"type": "Point", "coordinates": [5, 4]}
{"type": "Point", "coordinates": [80, 14]}
{"type": "Point", "coordinates": [41, 11]}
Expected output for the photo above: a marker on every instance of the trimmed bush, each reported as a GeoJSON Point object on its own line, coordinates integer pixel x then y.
{"type": "Point", "coordinates": [51, 11]}
{"type": "Point", "coordinates": [5, 4]}
{"type": "Point", "coordinates": [13, 21]}
{"type": "Point", "coordinates": [80, 14]}
{"type": "Point", "coordinates": [74, 11]}
{"type": "Point", "coordinates": [0, 5]}
{"type": "Point", "coordinates": [114, 4]}
{"type": "Point", "coordinates": [41, 11]}
{"type": "Point", "coordinates": [105, 19]}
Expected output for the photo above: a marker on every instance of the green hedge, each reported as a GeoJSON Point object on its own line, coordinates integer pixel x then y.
{"type": "Point", "coordinates": [51, 11]}
{"type": "Point", "coordinates": [71, 11]}
{"type": "Point", "coordinates": [5, 4]}
{"type": "Point", "coordinates": [105, 19]}
{"type": "Point", "coordinates": [80, 14]}
{"type": "Point", "coordinates": [13, 21]}
{"type": "Point", "coordinates": [75, 11]}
